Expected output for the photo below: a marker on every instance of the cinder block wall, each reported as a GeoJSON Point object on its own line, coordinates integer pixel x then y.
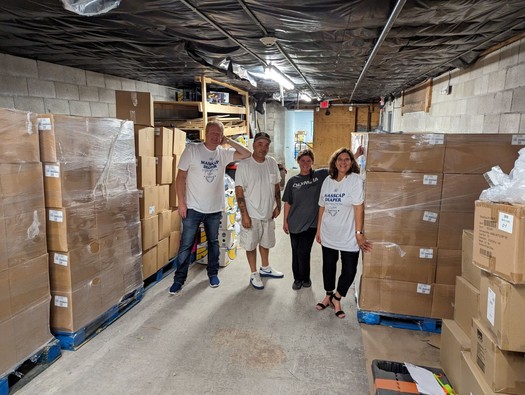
{"type": "Point", "coordinates": [43, 87]}
{"type": "Point", "coordinates": [488, 97]}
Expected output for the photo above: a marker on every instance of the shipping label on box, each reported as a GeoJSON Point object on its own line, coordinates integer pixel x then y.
{"type": "Point", "coordinates": [499, 240]}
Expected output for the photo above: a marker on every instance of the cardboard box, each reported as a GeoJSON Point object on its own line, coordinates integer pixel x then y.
{"type": "Point", "coordinates": [164, 197]}
{"type": "Point", "coordinates": [19, 136]}
{"type": "Point", "coordinates": [404, 227]}
{"type": "Point", "coordinates": [179, 141]}
{"type": "Point", "coordinates": [46, 134]}
{"type": "Point", "coordinates": [500, 305]}
{"type": "Point", "coordinates": [71, 227]}
{"type": "Point", "coordinates": [71, 270]}
{"type": "Point", "coordinates": [21, 188]}
{"type": "Point", "coordinates": [400, 262]}
{"type": "Point", "coordinates": [144, 141]}
{"type": "Point", "coordinates": [451, 225]}
{"type": "Point", "coordinates": [460, 191]}
{"type": "Point", "coordinates": [442, 301]}
{"type": "Point", "coordinates": [453, 341]}
{"type": "Point", "coordinates": [398, 297]}
{"type": "Point", "coordinates": [146, 171]}
{"type": "Point", "coordinates": [25, 236]}
{"type": "Point", "coordinates": [472, 381]}
{"type": "Point", "coordinates": [163, 141]}
{"type": "Point", "coordinates": [164, 169]}
{"type": "Point", "coordinates": [226, 256]}
{"type": "Point", "coordinates": [403, 191]}
{"type": "Point", "coordinates": [499, 240]}
{"type": "Point", "coordinates": [417, 153]}
{"type": "Point", "coordinates": [163, 252]}
{"type": "Point", "coordinates": [135, 106]}
{"type": "Point", "coordinates": [502, 370]}
{"type": "Point", "coordinates": [28, 283]}
{"type": "Point", "coordinates": [174, 243]}
{"type": "Point", "coordinates": [173, 200]}
{"type": "Point", "coordinates": [164, 224]}
{"type": "Point", "coordinates": [469, 271]}
{"type": "Point", "coordinates": [466, 304]}
{"type": "Point", "coordinates": [150, 232]}
{"type": "Point", "coordinates": [176, 220]}
{"type": "Point", "coordinates": [148, 202]}
{"type": "Point", "coordinates": [5, 296]}
{"type": "Point", "coordinates": [228, 220]}
{"type": "Point", "coordinates": [227, 238]}
{"type": "Point", "coordinates": [149, 262]}
{"type": "Point", "coordinates": [67, 185]}
{"type": "Point", "coordinates": [448, 266]}
{"type": "Point", "coordinates": [477, 153]}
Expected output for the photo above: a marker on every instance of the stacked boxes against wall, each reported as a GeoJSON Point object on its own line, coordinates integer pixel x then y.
{"type": "Point", "coordinates": [228, 230]}
{"type": "Point", "coordinates": [93, 228]}
{"type": "Point", "coordinates": [24, 273]}
{"type": "Point", "coordinates": [157, 149]}
{"type": "Point", "coordinates": [496, 335]}
{"type": "Point", "coordinates": [420, 193]}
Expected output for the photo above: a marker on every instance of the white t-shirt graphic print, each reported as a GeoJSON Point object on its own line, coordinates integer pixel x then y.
{"type": "Point", "coordinates": [205, 179]}
{"type": "Point", "coordinates": [338, 222]}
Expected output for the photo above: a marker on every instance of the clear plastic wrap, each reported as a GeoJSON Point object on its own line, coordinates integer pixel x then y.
{"type": "Point", "coordinates": [506, 188]}
{"type": "Point", "coordinates": [90, 7]}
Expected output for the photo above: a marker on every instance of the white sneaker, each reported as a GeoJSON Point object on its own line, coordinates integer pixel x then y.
{"type": "Point", "coordinates": [269, 272]}
{"type": "Point", "coordinates": [255, 281]}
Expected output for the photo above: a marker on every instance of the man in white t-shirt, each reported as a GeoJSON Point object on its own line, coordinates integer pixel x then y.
{"type": "Point", "coordinates": [259, 199]}
{"type": "Point", "coordinates": [200, 193]}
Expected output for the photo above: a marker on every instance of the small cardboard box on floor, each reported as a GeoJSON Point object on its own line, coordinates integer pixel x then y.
{"type": "Point", "coordinates": [499, 240]}
{"type": "Point", "coordinates": [453, 341]}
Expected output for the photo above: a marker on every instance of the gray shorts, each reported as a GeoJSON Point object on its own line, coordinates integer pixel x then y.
{"type": "Point", "coordinates": [261, 233]}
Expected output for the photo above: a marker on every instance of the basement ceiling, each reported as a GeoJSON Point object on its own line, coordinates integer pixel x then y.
{"type": "Point", "coordinates": [321, 45]}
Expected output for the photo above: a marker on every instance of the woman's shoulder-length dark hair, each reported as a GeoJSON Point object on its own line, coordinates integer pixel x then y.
{"type": "Point", "coordinates": [332, 168]}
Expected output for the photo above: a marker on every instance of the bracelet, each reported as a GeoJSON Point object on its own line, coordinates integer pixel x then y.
{"type": "Point", "coordinates": [359, 232]}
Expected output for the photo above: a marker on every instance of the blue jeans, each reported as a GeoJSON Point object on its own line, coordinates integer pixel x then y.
{"type": "Point", "coordinates": [190, 226]}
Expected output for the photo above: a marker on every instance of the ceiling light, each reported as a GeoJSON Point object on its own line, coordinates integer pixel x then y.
{"type": "Point", "coordinates": [305, 97]}
{"type": "Point", "coordinates": [274, 74]}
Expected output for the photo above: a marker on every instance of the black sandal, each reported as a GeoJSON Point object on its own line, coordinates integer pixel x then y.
{"type": "Point", "coordinates": [321, 306]}
{"type": "Point", "coordinates": [339, 314]}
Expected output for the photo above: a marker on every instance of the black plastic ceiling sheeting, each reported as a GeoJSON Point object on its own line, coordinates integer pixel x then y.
{"type": "Point", "coordinates": [322, 45]}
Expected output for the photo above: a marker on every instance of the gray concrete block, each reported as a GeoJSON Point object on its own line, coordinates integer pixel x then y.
{"type": "Point", "coordinates": [491, 123]}
{"type": "Point", "coordinates": [56, 106]}
{"type": "Point", "coordinates": [481, 85]}
{"type": "Point", "coordinates": [153, 89]}
{"type": "Point", "coordinates": [502, 102]}
{"type": "Point", "coordinates": [114, 83]}
{"type": "Point", "coordinates": [15, 86]}
{"type": "Point", "coordinates": [95, 79]}
{"type": "Point", "coordinates": [41, 88]}
{"type": "Point", "coordinates": [475, 123]}
{"type": "Point", "coordinates": [455, 124]}
{"type": "Point", "coordinates": [112, 110]}
{"type": "Point", "coordinates": [55, 72]}
{"type": "Point", "coordinates": [490, 63]}
{"type": "Point", "coordinates": [518, 100]}
{"type": "Point", "coordinates": [521, 56]}
{"type": "Point", "coordinates": [509, 123]}
{"type": "Point", "coordinates": [522, 124]}
{"type": "Point", "coordinates": [128, 85]}
{"type": "Point", "coordinates": [80, 108]}
{"type": "Point", "coordinates": [497, 80]}
{"type": "Point", "coordinates": [18, 67]}
{"type": "Point", "coordinates": [141, 86]}
{"type": "Point", "coordinates": [88, 93]}
{"type": "Point", "coordinates": [99, 110]}
{"type": "Point", "coordinates": [33, 104]}
{"type": "Point", "coordinates": [66, 91]}
{"type": "Point", "coordinates": [468, 88]}
{"type": "Point", "coordinates": [7, 102]}
{"type": "Point", "coordinates": [106, 95]}
{"type": "Point", "coordinates": [515, 76]}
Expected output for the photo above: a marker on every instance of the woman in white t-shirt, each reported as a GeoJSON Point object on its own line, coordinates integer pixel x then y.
{"type": "Point", "coordinates": [340, 227]}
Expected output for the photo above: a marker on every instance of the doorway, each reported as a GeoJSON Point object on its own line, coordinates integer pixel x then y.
{"type": "Point", "coordinates": [299, 134]}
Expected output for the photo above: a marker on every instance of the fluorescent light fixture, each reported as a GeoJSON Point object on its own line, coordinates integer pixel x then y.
{"type": "Point", "coordinates": [305, 97]}
{"type": "Point", "coordinates": [274, 74]}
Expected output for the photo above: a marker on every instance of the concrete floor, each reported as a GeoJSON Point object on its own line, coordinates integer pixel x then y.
{"type": "Point", "coordinates": [229, 340]}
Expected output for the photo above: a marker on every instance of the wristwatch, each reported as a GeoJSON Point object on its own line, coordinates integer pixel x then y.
{"type": "Point", "coordinates": [359, 232]}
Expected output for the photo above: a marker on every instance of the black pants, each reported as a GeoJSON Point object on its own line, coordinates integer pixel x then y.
{"type": "Point", "coordinates": [301, 248]}
{"type": "Point", "coordinates": [348, 269]}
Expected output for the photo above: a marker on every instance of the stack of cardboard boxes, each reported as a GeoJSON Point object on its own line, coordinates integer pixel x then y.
{"type": "Point", "coordinates": [158, 150]}
{"type": "Point", "coordinates": [420, 193]}
{"type": "Point", "coordinates": [24, 273]}
{"type": "Point", "coordinates": [93, 228]}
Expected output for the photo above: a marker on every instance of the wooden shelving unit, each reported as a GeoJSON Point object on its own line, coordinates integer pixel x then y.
{"type": "Point", "coordinates": [193, 115]}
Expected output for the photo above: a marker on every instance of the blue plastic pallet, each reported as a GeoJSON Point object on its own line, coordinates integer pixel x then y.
{"type": "Point", "coordinates": [30, 368]}
{"type": "Point", "coordinates": [161, 273]}
{"type": "Point", "coordinates": [399, 321]}
{"type": "Point", "coordinates": [74, 340]}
